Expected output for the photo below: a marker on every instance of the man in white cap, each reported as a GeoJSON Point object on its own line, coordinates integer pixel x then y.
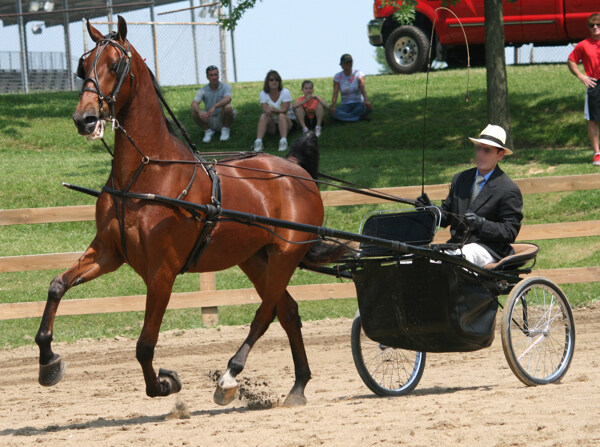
{"type": "Point", "coordinates": [484, 206]}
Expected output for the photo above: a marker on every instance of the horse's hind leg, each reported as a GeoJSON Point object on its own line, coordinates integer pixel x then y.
{"type": "Point", "coordinates": [256, 270]}
{"type": "Point", "coordinates": [270, 277]}
{"type": "Point", "coordinates": [96, 261]}
{"type": "Point", "coordinates": [287, 312]}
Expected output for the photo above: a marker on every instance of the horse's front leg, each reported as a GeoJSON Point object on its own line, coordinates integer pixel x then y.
{"type": "Point", "coordinates": [96, 261]}
{"type": "Point", "coordinates": [167, 382]}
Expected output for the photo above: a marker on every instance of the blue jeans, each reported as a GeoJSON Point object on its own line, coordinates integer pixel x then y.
{"type": "Point", "coordinates": [351, 111]}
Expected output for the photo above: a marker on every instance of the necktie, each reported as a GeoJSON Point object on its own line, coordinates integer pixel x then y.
{"type": "Point", "coordinates": [476, 187]}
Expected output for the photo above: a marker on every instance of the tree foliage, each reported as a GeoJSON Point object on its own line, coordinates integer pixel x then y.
{"type": "Point", "coordinates": [405, 10]}
{"type": "Point", "coordinates": [237, 11]}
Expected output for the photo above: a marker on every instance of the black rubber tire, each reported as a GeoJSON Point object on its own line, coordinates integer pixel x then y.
{"type": "Point", "coordinates": [402, 386]}
{"type": "Point", "coordinates": [406, 50]}
{"type": "Point", "coordinates": [538, 332]}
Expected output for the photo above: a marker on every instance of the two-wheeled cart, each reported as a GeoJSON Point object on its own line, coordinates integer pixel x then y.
{"type": "Point", "coordinates": [420, 301]}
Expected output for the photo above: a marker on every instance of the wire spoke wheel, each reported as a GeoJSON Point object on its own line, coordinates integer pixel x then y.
{"type": "Point", "coordinates": [384, 370]}
{"type": "Point", "coordinates": [538, 332]}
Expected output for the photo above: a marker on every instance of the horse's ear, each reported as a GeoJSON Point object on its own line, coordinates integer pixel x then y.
{"type": "Point", "coordinates": [93, 32]}
{"type": "Point", "coordinates": [122, 29]}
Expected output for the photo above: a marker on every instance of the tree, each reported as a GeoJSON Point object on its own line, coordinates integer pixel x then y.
{"type": "Point", "coordinates": [498, 108]}
{"type": "Point", "coordinates": [382, 61]}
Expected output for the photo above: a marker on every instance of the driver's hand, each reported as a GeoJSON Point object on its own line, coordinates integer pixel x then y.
{"type": "Point", "coordinates": [473, 221]}
{"type": "Point", "coordinates": [423, 200]}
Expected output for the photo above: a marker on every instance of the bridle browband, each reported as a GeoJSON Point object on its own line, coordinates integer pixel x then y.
{"type": "Point", "coordinates": [122, 70]}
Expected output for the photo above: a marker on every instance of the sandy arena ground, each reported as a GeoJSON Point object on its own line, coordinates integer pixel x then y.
{"type": "Point", "coordinates": [463, 399]}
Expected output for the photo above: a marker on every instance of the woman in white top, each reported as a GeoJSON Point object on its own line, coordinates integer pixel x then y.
{"type": "Point", "coordinates": [277, 113]}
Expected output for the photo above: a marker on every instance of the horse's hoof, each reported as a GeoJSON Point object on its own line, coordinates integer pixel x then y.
{"type": "Point", "coordinates": [170, 377]}
{"type": "Point", "coordinates": [53, 372]}
{"type": "Point", "coordinates": [224, 396]}
{"type": "Point", "coordinates": [294, 400]}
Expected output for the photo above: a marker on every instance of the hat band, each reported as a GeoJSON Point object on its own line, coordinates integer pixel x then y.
{"type": "Point", "coordinates": [491, 138]}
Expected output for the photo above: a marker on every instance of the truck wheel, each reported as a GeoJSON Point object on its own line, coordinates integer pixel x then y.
{"type": "Point", "coordinates": [406, 50]}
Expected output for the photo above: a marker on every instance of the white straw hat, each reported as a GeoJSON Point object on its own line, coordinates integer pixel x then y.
{"type": "Point", "coordinates": [493, 136]}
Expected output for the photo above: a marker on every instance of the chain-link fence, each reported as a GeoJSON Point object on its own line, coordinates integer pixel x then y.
{"type": "Point", "coordinates": [177, 45]}
{"type": "Point", "coordinates": [177, 52]}
{"type": "Point", "coordinates": [529, 54]}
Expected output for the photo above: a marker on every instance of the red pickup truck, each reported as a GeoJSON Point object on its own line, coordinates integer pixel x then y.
{"type": "Point", "coordinates": [541, 22]}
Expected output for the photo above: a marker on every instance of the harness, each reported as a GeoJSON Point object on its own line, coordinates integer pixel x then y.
{"type": "Point", "coordinates": [122, 70]}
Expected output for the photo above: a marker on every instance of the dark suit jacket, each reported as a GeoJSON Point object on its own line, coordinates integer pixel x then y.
{"type": "Point", "coordinates": [500, 202]}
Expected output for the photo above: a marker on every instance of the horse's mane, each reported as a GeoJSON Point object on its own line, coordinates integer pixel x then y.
{"type": "Point", "coordinates": [173, 130]}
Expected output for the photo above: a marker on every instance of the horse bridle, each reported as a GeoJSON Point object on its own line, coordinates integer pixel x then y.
{"type": "Point", "coordinates": [122, 69]}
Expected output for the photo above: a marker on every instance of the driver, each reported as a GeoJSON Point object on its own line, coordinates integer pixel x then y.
{"type": "Point", "coordinates": [484, 206]}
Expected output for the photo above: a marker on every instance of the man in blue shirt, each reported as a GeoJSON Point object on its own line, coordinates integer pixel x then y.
{"type": "Point", "coordinates": [217, 114]}
{"type": "Point", "coordinates": [484, 206]}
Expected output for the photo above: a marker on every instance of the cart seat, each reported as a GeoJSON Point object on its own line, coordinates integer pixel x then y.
{"type": "Point", "coordinates": [416, 227]}
{"type": "Point", "coordinates": [523, 252]}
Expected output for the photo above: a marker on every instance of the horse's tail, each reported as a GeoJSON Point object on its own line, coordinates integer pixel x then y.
{"type": "Point", "coordinates": [326, 252]}
{"type": "Point", "coordinates": [305, 152]}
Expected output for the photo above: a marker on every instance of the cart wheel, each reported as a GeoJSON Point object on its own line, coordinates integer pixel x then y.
{"type": "Point", "coordinates": [538, 332]}
{"type": "Point", "coordinates": [386, 371]}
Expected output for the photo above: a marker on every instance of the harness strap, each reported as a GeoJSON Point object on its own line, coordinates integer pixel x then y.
{"type": "Point", "coordinates": [202, 242]}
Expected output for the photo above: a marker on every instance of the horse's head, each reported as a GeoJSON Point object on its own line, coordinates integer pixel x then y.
{"type": "Point", "coordinates": [107, 80]}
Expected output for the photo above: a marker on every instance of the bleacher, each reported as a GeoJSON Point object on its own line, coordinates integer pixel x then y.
{"type": "Point", "coordinates": [10, 80]}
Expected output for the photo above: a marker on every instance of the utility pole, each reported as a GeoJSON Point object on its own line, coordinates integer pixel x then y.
{"type": "Point", "coordinates": [23, 45]}
{"type": "Point", "coordinates": [68, 44]}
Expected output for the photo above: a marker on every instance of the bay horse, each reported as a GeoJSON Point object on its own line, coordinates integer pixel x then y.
{"type": "Point", "coordinates": [156, 239]}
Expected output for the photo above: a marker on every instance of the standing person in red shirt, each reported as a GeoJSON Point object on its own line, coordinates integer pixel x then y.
{"type": "Point", "coordinates": [588, 52]}
{"type": "Point", "coordinates": [310, 109]}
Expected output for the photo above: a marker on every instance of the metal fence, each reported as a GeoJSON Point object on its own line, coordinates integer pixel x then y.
{"type": "Point", "coordinates": [177, 45]}
{"type": "Point", "coordinates": [529, 54]}
{"type": "Point", "coordinates": [177, 52]}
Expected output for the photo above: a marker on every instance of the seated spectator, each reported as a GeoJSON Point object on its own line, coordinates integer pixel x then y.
{"type": "Point", "coordinates": [310, 109]}
{"type": "Point", "coordinates": [277, 114]}
{"type": "Point", "coordinates": [217, 114]}
{"type": "Point", "coordinates": [351, 84]}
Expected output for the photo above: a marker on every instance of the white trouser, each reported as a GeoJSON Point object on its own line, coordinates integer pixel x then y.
{"type": "Point", "coordinates": [474, 253]}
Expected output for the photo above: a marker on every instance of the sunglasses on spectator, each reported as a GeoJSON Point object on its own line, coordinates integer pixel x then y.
{"type": "Point", "coordinates": [594, 25]}
{"type": "Point", "coordinates": [273, 79]}
{"type": "Point", "coordinates": [487, 149]}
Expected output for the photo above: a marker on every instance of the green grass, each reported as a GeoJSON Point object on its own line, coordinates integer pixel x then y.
{"type": "Point", "coordinates": [39, 148]}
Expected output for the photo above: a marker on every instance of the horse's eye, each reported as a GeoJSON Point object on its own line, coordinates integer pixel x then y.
{"type": "Point", "coordinates": [113, 68]}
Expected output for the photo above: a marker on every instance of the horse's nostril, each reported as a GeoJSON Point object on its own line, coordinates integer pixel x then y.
{"type": "Point", "coordinates": [91, 119]}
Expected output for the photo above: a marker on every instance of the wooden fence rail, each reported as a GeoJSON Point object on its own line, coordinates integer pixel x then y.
{"type": "Point", "coordinates": [209, 299]}
{"type": "Point", "coordinates": [330, 198]}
